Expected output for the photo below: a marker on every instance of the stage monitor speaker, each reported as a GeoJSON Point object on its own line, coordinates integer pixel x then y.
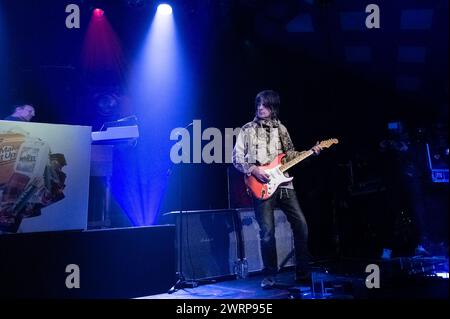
{"type": "Point", "coordinates": [209, 242]}
{"type": "Point", "coordinates": [251, 240]}
{"type": "Point", "coordinates": [112, 263]}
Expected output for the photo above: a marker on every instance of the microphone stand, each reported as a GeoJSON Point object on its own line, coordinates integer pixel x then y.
{"type": "Point", "coordinates": [181, 281]}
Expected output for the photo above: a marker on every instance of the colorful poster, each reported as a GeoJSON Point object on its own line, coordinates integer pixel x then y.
{"type": "Point", "coordinates": [44, 177]}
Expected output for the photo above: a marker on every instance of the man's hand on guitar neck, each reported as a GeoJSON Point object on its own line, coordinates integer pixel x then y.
{"type": "Point", "coordinates": [316, 148]}
{"type": "Point", "coordinates": [260, 174]}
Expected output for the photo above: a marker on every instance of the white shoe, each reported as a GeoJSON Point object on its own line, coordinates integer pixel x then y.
{"type": "Point", "coordinates": [268, 282]}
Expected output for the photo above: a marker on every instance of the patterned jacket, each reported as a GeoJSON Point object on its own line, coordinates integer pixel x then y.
{"type": "Point", "coordinates": [259, 142]}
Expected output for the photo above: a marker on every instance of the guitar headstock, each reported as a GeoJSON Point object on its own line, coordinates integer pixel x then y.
{"type": "Point", "coordinates": [329, 142]}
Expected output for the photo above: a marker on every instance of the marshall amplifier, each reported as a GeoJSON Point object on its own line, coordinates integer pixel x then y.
{"type": "Point", "coordinates": [251, 240]}
{"type": "Point", "coordinates": [207, 242]}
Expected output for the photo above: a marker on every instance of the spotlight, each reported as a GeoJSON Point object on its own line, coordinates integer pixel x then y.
{"type": "Point", "coordinates": [164, 9]}
{"type": "Point", "coordinates": [98, 12]}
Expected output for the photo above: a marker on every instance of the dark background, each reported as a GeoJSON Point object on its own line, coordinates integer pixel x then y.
{"type": "Point", "coordinates": [336, 80]}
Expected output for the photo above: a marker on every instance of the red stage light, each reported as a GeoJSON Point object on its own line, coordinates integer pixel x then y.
{"type": "Point", "coordinates": [98, 12]}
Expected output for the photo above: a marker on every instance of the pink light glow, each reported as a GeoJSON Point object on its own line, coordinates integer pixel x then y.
{"type": "Point", "coordinates": [102, 51]}
{"type": "Point", "coordinates": [99, 12]}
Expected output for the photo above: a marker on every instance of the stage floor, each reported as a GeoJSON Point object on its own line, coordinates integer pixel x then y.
{"type": "Point", "coordinates": [248, 288]}
{"type": "Point", "coordinates": [401, 278]}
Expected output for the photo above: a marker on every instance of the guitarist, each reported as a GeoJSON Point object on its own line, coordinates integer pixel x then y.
{"type": "Point", "coordinates": [258, 143]}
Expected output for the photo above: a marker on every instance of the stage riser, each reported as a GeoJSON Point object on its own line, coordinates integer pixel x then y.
{"type": "Point", "coordinates": [113, 263]}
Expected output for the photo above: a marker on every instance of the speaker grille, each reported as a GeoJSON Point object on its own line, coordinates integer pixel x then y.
{"type": "Point", "coordinates": [209, 243]}
{"type": "Point", "coordinates": [251, 240]}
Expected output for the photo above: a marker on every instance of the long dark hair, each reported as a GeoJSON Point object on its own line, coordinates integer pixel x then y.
{"type": "Point", "coordinates": [269, 99]}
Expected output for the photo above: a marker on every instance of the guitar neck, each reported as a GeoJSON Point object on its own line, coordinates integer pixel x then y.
{"type": "Point", "coordinates": [296, 160]}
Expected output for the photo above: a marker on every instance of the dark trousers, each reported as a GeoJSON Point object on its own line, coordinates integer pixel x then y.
{"type": "Point", "coordinates": [286, 200]}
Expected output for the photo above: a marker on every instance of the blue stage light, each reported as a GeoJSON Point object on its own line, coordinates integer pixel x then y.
{"type": "Point", "coordinates": [164, 9]}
